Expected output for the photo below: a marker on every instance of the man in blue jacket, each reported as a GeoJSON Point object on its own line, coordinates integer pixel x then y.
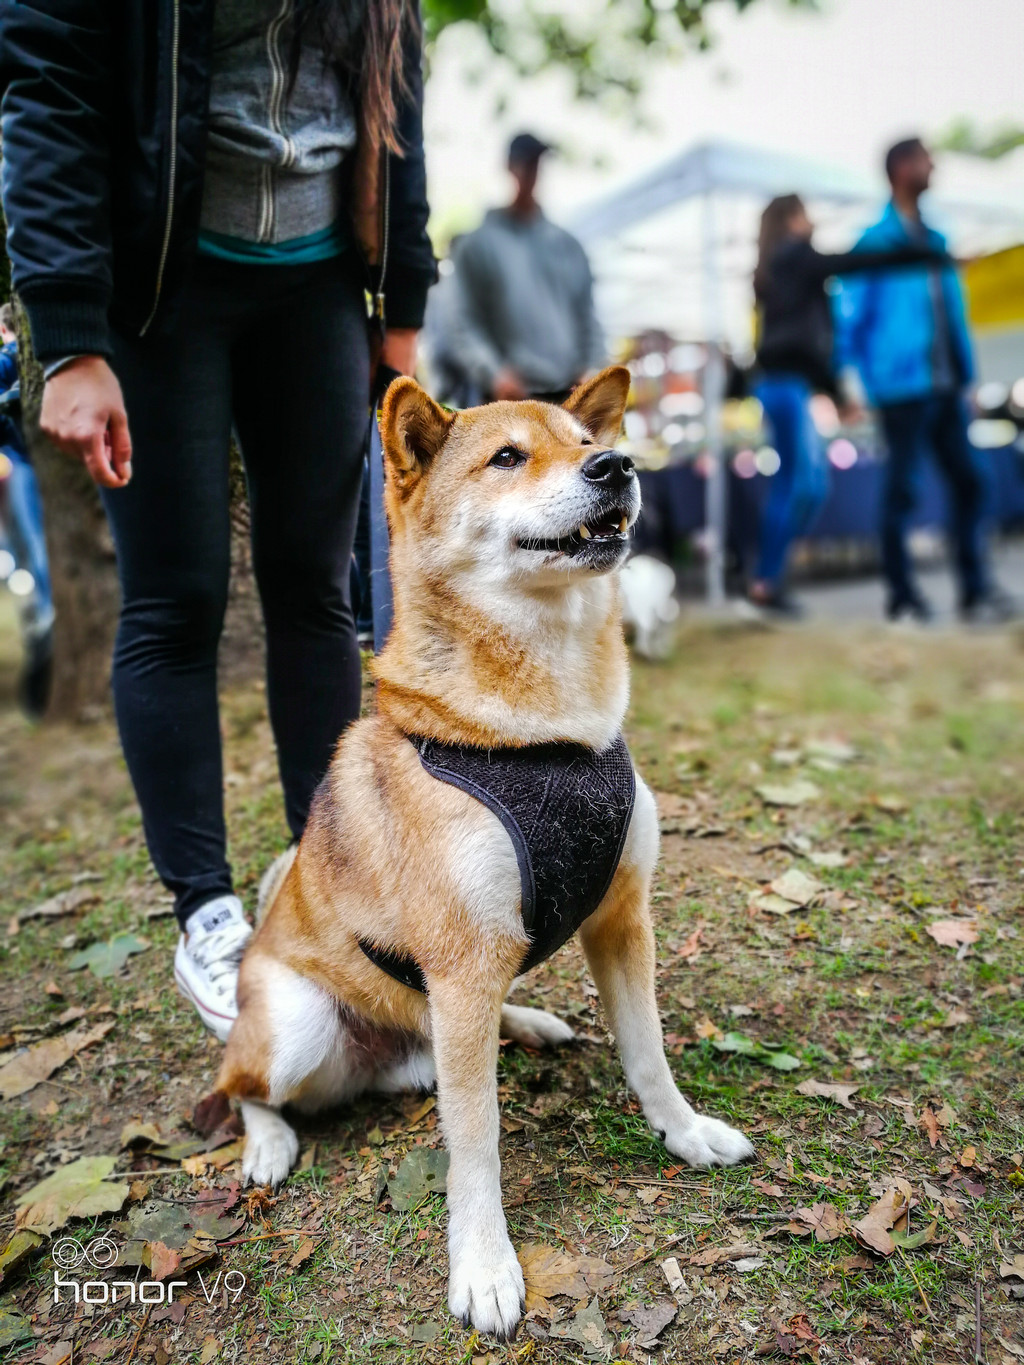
{"type": "Point", "coordinates": [905, 331]}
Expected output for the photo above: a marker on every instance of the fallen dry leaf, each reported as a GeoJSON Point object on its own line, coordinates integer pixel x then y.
{"type": "Point", "coordinates": [952, 933]}
{"type": "Point", "coordinates": [827, 1090]}
{"type": "Point", "coordinates": [828, 859]}
{"type": "Point", "coordinates": [797, 1338]}
{"type": "Point", "coordinates": [874, 1228]}
{"type": "Point", "coordinates": [797, 886]}
{"type": "Point", "coordinates": [772, 904]}
{"type": "Point", "coordinates": [550, 1271]}
{"type": "Point", "coordinates": [302, 1253]}
{"type": "Point", "coordinates": [650, 1321]}
{"type": "Point", "coordinates": [163, 1261]}
{"type": "Point", "coordinates": [933, 1121]}
{"type": "Point", "coordinates": [141, 1134]}
{"type": "Point", "coordinates": [589, 1329]}
{"type": "Point", "coordinates": [692, 948]}
{"type": "Point", "coordinates": [788, 793]}
{"type": "Point", "coordinates": [37, 1063]}
{"type": "Point", "coordinates": [66, 903]}
{"type": "Point", "coordinates": [823, 1220]}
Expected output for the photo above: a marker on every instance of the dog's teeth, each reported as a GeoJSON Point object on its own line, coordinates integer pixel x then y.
{"type": "Point", "coordinates": [622, 526]}
{"type": "Point", "coordinates": [584, 533]}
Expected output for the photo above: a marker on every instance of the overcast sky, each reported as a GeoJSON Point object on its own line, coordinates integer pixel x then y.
{"type": "Point", "coordinates": [838, 85]}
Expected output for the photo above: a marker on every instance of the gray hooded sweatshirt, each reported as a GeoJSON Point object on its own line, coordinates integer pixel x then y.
{"type": "Point", "coordinates": [274, 148]}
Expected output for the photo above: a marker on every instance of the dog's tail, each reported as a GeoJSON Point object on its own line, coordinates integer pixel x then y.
{"type": "Point", "coordinates": [272, 881]}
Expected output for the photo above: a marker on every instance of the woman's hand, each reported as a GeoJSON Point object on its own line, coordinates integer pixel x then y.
{"type": "Point", "coordinates": [399, 351]}
{"type": "Point", "coordinates": [83, 415]}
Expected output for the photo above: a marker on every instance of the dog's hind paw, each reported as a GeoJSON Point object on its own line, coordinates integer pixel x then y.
{"type": "Point", "coordinates": [709, 1142]}
{"type": "Point", "coordinates": [534, 1028]}
{"type": "Point", "coordinates": [270, 1145]}
{"type": "Point", "coordinates": [488, 1292]}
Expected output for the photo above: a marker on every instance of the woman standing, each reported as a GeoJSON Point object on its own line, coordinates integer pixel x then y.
{"type": "Point", "coordinates": [795, 360]}
{"type": "Point", "coordinates": [202, 197]}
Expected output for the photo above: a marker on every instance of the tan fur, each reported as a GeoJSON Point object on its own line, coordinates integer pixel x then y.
{"type": "Point", "coordinates": [494, 643]}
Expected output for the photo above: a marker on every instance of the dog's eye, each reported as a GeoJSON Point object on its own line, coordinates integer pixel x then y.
{"type": "Point", "coordinates": [508, 457]}
{"type": "Point", "coordinates": [586, 441]}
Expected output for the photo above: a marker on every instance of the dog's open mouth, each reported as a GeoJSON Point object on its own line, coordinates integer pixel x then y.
{"type": "Point", "coordinates": [608, 529]}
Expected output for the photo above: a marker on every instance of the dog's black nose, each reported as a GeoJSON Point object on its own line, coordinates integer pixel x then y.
{"type": "Point", "coordinates": [609, 467]}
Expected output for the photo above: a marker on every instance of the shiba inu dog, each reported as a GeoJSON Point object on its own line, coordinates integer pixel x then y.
{"type": "Point", "coordinates": [394, 932]}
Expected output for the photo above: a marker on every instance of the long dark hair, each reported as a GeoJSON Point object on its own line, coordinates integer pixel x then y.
{"type": "Point", "coordinates": [774, 230]}
{"type": "Point", "coordinates": [371, 55]}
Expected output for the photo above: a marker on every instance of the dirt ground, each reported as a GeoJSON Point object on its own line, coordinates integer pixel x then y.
{"type": "Point", "coordinates": [861, 1019]}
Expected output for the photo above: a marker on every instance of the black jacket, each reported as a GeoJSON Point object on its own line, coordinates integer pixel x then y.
{"type": "Point", "coordinates": [104, 119]}
{"type": "Point", "coordinates": [795, 313]}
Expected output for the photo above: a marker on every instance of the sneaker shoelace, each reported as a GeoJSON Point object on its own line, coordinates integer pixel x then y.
{"type": "Point", "coordinates": [220, 953]}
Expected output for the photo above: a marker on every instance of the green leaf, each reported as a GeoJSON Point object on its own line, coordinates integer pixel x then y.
{"type": "Point", "coordinates": [19, 1247]}
{"type": "Point", "coordinates": [780, 1061]}
{"type": "Point", "coordinates": [423, 1172]}
{"type": "Point", "coordinates": [107, 959]}
{"type": "Point", "coordinates": [736, 1042]}
{"type": "Point", "coordinates": [15, 1326]}
{"type": "Point", "coordinates": [78, 1190]}
{"type": "Point", "coordinates": [915, 1239]}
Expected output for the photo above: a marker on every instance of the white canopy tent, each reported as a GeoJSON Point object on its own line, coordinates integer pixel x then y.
{"type": "Point", "coordinates": [675, 249]}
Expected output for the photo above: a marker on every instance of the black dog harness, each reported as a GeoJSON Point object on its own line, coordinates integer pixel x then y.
{"type": "Point", "coordinates": [566, 809]}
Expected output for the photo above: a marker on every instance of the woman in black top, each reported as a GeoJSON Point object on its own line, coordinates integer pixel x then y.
{"type": "Point", "coordinates": [795, 361]}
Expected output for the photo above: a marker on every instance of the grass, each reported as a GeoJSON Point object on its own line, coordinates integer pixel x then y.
{"type": "Point", "coordinates": [929, 818]}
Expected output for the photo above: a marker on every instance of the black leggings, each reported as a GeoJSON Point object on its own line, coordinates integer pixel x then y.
{"type": "Point", "coordinates": [281, 353]}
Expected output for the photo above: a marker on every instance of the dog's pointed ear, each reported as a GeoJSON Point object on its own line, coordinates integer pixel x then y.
{"type": "Point", "coordinates": [413, 428]}
{"type": "Point", "coordinates": [600, 403]}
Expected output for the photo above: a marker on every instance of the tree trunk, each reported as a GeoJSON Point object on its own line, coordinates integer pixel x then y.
{"type": "Point", "coordinates": [85, 591]}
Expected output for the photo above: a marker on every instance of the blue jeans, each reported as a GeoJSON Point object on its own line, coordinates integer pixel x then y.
{"type": "Point", "coordinates": [937, 424]}
{"type": "Point", "coordinates": [799, 488]}
{"type": "Point", "coordinates": [27, 528]}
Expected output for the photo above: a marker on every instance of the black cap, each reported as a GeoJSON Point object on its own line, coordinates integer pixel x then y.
{"type": "Point", "coordinates": [525, 148]}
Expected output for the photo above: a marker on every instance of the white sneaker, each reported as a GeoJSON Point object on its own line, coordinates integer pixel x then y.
{"type": "Point", "coordinates": [207, 960]}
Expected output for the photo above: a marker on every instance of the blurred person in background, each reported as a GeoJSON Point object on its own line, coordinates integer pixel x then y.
{"type": "Point", "coordinates": [794, 361]}
{"type": "Point", "coordinates": [523, 321]}
{"type": "Point", "coordinates": [164, 220]}
{"type": "Point", "coordinates": [906, 335]}
{"type": "Point", "coordinates": [28, 539]}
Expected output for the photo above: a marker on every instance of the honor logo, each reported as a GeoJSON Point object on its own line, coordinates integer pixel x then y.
{"type": "Point", "coordinates": [100, 1254]}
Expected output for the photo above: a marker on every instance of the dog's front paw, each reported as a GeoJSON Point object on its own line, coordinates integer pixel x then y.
{"type": "Point", "coordinates": [488, 1291]}
{"type": "Point", "coordinates": [534, 1028]}
{"type": "Point", "coordinates": [270, 1146]}
{"type": "Point", "coordinates": [708, 1142]}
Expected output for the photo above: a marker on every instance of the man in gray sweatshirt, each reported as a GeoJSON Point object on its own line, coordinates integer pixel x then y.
{"type": "Point", "coordinates": [522, 318]}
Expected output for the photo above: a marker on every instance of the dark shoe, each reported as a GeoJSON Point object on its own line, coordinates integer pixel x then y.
{"type": "Point", "coordinates": [36, 681]}
{"type": "Point", "coordinates": [912, 605]}
{"type": "Point", "coordinates": [778, 603]}
{"type": "Point", "coordinates": [992, 608]}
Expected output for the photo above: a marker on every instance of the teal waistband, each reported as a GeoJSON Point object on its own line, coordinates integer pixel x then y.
{"type": "Point", "coordinates": [318, 246]}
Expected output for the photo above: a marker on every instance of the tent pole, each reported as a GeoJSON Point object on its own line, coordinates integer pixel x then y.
{"type": "Point", "coordinates": [714, 391]}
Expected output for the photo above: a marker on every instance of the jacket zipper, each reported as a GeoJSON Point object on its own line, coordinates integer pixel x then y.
{"type": "Point", "coordinates": [172, 170]}
{"type": "Point", "coordinates": [378, 299]}
{"type": "Point", "coordinates": [274, 117]}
